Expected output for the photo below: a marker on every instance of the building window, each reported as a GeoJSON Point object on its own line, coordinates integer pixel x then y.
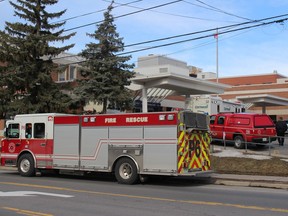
{"type": "Point", "coordinates": [163, 70]}
{"type": "Point", "coordinates": [72, 72]}
{"type": "Point", "coordinates": [69, 74]}
{"type": "Point", "coordinates": [61, 76]}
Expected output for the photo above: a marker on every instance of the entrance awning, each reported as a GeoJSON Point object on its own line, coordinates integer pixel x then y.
{"type": "Point", "coordinates": [263, 100]}
{"type": "Point", "coordinates": [181, 85]}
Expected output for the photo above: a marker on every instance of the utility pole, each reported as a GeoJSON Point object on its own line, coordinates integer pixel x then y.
{"type": "Point", "coordinates": [217, 67]}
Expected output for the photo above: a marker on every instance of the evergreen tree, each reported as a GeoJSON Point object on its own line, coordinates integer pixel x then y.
{"type": "Point", "coordinates": [4, 96]}
{"type": "Point", "coordinates": [26, 49]}
{"type": "Point", "coordinates": [105, 74]}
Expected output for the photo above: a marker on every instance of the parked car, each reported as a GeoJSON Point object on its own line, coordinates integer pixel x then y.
{"type": "Point", "coordinates": [243, 127]}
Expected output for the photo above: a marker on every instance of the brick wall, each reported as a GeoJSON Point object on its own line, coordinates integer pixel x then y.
{"type": "Point", "coordinates": [249, 80]}
{"type": "Point", "coordinates": [260, 84]}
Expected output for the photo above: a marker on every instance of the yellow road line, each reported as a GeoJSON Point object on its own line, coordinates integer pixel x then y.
{"type": "Point", "coordinates": [149, 198]}
{"type": "Point", "coordinates": [26, 212]}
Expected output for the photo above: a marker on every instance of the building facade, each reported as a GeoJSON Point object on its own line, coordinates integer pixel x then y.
{"type": "Point", "coordinates": [273, 84]}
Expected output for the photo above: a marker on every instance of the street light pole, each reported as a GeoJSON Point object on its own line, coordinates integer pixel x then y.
{"type": "Point", "coordinates": [217, 67]}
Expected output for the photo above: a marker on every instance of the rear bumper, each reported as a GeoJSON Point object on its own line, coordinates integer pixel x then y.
{"type": "Point", "coordinates": [263, 140]}
{"type": "Point", "coordinates": [198, 173]}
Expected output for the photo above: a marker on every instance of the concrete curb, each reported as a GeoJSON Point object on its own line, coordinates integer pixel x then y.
{"type": "Point", "coordinates": [280, 182]}
{"type": "Point", "coordinates": [244, 183]}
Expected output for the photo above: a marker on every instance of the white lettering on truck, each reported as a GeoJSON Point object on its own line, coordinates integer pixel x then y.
{"type": "Point", "coordinates": [110, 120]}
{"type": "Point", "coordinates": [137, 119]}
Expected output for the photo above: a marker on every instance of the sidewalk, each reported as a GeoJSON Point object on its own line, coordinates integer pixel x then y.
{"type": "Point", "coordinates": [276, 182]}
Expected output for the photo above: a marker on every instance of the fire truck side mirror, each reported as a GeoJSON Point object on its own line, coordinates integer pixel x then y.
{"type": "Point", "coordinates": [5, 132]}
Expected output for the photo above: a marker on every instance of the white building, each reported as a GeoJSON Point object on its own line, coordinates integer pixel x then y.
{"type": "Point", "coordinates": [160, 78]}
{"type": "Point", "coordinates": [157, 64]}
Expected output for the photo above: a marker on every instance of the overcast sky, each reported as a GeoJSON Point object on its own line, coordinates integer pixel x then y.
{"type": "Point", "coordinates": [258, 50]}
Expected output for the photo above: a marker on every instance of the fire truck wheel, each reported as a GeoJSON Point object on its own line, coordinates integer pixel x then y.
{"type": "Point", "coordinates": [126, 171]}
{"type": "Point", "coordinates": [26, 165]}
{"type": "Point", "coordinates": [239, 142]}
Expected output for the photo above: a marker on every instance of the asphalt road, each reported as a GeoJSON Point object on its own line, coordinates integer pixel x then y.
{"type": "Point", "coordinates": [51, 194]}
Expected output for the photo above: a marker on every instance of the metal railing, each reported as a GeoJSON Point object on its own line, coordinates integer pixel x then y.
{"type": "Point", "coordinates": [271, 148]}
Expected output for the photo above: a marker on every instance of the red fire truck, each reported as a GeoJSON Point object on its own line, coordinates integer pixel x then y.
{"type": "Point", "coordinates": [131, 145]}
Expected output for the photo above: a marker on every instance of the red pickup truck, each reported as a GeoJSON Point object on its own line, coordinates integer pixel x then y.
{"type": "Point", "coordinates": [242, 128]}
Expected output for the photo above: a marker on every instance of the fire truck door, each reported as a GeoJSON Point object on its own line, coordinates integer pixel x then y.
{"type": "Point", "coordinates": [34, 138]}
{"type": "Point", "coordinates": [218, 128]}
{"type": "Point", "coordinates": [13, 145]}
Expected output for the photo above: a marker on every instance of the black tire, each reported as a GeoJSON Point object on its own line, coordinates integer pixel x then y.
{"type": "Point", "coordinates": [239, 142]}
{"type": "Point", "coordinates": [126, 171]}
{"type": "Point", "coordinates": [26, 165]}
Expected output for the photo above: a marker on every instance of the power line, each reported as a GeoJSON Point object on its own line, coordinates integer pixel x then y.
{"type": "Point", "coordinates": [198, 45]}
{"type": "Point", "coordinates": [203, 31]}
{"type": "Point", "coordinates": [206, 43]}
{"type": "Point", "coordinates": [197, 38]}
{"type": "Point", "coordinates": [128, 14]}
{"type": "Point", "coordinates": [187, 34]}
{"type": "Point", "coordinates": [183, 41]}
{"type": "Point", "coordinates": [129, 5]}
{"type": "Point", "coordinates": [193, 33]}
{"type": "Point", "coordinates": [220, 10]}
{"type": "Point", "coordinates": [202, 37]}
{"type": "Point", "coordinates": [93, 12]}
{"type": "Point", "coordinates": [171, 37]}
{"type": "Point", "coordinates": [171, 14]}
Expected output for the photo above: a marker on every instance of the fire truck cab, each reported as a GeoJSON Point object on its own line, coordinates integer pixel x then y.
{"type": "Point", "coordinates": [130, 145]}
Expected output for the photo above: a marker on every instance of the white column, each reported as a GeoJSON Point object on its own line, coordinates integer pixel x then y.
{"type": "Point", "coordinates": [187, 101]}
{"type": "Point", "coordinates": [144, 100]}
{"type": "Point", "coordinates": [263, 109]}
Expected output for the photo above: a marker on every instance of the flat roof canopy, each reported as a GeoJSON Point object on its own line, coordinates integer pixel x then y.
{"type": "Point", "coordinates": [263, 100]}
{"type": "Point", "coordinates": [181, 85]}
